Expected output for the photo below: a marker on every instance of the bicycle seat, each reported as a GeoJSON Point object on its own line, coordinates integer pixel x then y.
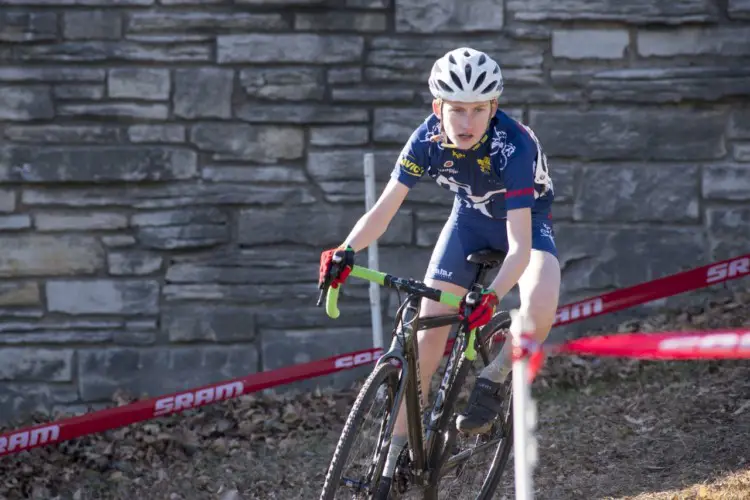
{"type": "Point", "coordinates": [487, 257]}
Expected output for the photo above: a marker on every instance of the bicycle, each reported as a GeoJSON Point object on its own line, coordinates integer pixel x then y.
{"type": "Point", "coordinates": [436, 449]}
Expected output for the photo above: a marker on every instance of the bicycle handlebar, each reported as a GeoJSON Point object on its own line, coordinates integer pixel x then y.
{"type": "Point", "coordinates": [384, 279]}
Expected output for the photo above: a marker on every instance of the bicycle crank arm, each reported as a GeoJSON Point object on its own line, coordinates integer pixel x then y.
{"type": "Point", "coordinates": [456, 460]}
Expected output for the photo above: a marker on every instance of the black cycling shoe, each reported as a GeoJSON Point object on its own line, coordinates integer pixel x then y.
{"type": "Point", "coordinates": [485, 404]}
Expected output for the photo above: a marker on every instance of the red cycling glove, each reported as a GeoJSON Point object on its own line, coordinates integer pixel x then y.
{"type": "Point", "coordinates": [483, 310]}
{"type": "Point", "coordinates": [326, 263]}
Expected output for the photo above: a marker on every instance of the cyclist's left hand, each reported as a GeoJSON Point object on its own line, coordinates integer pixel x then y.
{"type": "Point", "coordinates": [482, 311]}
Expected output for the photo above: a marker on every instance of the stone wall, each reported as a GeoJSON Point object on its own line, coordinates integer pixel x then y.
{"type": "Point", "coordinates": [171, 169]}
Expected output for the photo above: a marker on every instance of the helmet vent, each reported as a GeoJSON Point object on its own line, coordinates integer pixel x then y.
{"type": "Point", "coordinates": [456, 80]}
{"type": "Point", "coordinates": [489, 88]}
{"type": "Point", "coordinates": [444, 86]}
{"type": "Point", "coordinates": [480, 79]}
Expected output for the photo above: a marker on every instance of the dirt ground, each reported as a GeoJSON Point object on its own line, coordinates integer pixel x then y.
{"type": "Point", "coordinates": [608, 429]}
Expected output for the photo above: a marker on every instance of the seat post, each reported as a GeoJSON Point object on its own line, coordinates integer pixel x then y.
{"type": "Point", "coordinates": [485, 259]}
{"type": "Point", "coordinates": [481, 274]}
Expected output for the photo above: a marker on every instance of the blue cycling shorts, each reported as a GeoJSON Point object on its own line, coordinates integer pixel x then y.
{"type": "Point", "coordinates": [465, 233]}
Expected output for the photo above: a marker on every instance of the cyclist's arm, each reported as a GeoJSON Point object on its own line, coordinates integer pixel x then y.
{"type": "Point", "coordinates": [519, 198]}
{"type": "Point", "coordinates": [373, 224]}
{"type": "Point", "coordinates": [409, 167]}
{"type": "Point", "coordinates": [519, 251]}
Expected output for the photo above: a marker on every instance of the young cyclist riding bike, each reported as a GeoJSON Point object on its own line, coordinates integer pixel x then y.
{"type": "Point", "coordinates": [503, 196]}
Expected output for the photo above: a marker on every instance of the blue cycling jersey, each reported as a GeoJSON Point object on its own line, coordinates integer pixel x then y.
{"type": "Point", "coordinates": [505, 170]}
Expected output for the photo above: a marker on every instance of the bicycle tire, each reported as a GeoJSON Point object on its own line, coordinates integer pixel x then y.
{"type": "Point", "coordinates": [457, 382]}
{"type": "Point", "coordinates": [382, 373]}
{"type": "Point", "coordinates": [500, 320]}
{"type": "Point", "coordinates": [500, 460]}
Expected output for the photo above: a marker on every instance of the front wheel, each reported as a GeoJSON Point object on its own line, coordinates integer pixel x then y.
{"type": "Point", "coordinates": [356, 466]}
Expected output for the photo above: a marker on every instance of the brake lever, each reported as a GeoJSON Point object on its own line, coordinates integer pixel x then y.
{"type": "Point", "coordinates": [321, 296]}
{"type": "Point", "coordinates": [471, 300]}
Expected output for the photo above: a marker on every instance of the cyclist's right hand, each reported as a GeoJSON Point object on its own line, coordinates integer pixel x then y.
{"type": "Point", "coordinates": [344, 258]}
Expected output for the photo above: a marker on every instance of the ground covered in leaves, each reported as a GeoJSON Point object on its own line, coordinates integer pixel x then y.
{"type": "Point", "coordinates": [608, 429]}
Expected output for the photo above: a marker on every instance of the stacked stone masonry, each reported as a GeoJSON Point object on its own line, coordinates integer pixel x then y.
{"type": "Point", "coordinates": [171, 169]}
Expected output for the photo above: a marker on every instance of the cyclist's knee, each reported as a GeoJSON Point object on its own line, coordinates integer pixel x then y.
{"type": "Point", "coordinates": [539, 289]}
{"type": "Point", "coordinates": [534, 319]}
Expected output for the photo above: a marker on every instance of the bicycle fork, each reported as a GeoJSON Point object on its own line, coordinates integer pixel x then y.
{"type": "Point", "coordinates": [403, 350]}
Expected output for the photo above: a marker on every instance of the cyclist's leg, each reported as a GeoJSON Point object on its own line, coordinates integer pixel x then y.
{"type": "Point", "coordinates": [539, 291]}
{"type": "Point", "coordinates": [539, 288]}
{"type": "Point", "coordinates": [448, 271]}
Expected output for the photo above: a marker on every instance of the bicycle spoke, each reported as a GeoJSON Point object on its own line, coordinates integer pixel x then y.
{"type": "Point", "coordinates": [460, 458]}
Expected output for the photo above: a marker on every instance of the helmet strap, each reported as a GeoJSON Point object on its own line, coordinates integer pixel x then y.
{"type": "Point", "coordinates": [441, 136]}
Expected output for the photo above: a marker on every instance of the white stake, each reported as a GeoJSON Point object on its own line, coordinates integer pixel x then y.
{"type": "Point", "coordinates": [524, 424]}
{"type": "Point", "coordinates": [372, 254]}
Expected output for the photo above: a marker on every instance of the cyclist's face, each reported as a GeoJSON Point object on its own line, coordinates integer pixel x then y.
{"type": "Point", "coordinates": [464, 123]}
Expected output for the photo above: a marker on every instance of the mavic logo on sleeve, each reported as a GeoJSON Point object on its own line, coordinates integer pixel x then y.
{"type": "Point", "coordinates": [410, 167]}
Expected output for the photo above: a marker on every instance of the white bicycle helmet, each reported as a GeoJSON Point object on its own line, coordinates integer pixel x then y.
{"type": "Point", "coordinates": [466, 75]}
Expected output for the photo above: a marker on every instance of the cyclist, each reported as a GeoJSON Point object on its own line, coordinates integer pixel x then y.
{"type": "Point", "coordinates": [503, 195]}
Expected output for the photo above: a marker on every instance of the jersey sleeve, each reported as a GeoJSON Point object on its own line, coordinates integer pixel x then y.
{"type": "Point", "coordinates": [413, 160]}
{"type": "Point", "coordinates": [519, 177]}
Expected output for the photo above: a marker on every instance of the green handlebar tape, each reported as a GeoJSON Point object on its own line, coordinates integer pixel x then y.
{"type": "Point", "coordinates": [450, 299]}
{"type": "Point", "coordinates": [332, 297]}
{"type": "Point", "coordinates": [368, 274]}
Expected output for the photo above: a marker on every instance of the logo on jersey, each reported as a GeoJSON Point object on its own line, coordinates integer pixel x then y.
{"type": "Point", "coordinates": [448, 171]}
{"type": "Point", "coordinates": [457, 155]}
{"type": "Point", "coordinates": [546, 231]}
{"type": "Point", "coordinates": [501, 146]}
{"type": "Point", "coordinates": [541, 168]}
{"type": "Point", "coordinates": [480, 203]}
{"type": "Point", "coordinates": [447, 168]}
{"type": "Point", "coordinates": [484, 164]}
{"type": "Point", "coordinates": [410, 167]}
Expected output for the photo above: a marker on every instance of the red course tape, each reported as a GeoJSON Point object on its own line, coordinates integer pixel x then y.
{"type": "Point", "coordinates": [112, 418]}
{"type": "Point", "coordinates": [713, 344]}
{"type": "Point", "coordinates": [678, 345]}
{"type": "Point", "coordinates": [668, 286]}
